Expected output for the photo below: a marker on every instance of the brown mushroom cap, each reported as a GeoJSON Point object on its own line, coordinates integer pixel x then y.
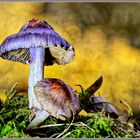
{"type": "Point", "coordinates": [57, 98]}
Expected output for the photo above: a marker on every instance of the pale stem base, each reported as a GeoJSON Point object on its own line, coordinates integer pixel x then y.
{"type": "Point", "coordinates": [41, 116]}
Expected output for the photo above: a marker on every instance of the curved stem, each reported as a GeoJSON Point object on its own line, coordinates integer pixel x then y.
{"type": "Point", "coordinates": [41, 116]}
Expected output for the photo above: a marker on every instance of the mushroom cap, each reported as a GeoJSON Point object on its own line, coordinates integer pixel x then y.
{"type": "Point", "coordinates": [37, 33]}
{"type": "Point", "coordinates": [57, 98]}
{"type": "Point", "coordinates": [99, 103]}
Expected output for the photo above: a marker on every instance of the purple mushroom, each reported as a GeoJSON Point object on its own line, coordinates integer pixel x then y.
{"type": "Point", "coordinates": [39, 45]}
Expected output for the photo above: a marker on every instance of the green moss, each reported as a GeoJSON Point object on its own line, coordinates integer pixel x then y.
{"type": "Point", "coordinates": [99, 126]}
{"type": "Point", "coordinates": [14, 118]}
{"type": "Point", "coordinates": [12, 130]}
{"type": "Point", "coordinates": [94, 126]}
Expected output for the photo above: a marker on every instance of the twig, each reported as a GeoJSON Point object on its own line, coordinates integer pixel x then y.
{"type": "Point", "coordinates": [128, 108]}
{"type": "Point", "coordinates": [66, 129]}
{"type": "Point", "coordinates": [81, 88]}
{"type": "Point", "coordinates": [137, 125]}
{"type": "Point", "coordinates": [10, 94]}
{"type": "Point", "coordinates": [87, 126]}
{"type": "Point", "coordinates": [56, 125]}
{"type": "Point", "coordinates": [54, 135]}
{"type": "Point", "coordinates": [67, 134]}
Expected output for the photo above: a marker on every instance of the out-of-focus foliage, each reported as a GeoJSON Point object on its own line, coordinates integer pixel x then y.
{"type": "Point", "coordinates": [106, 38]}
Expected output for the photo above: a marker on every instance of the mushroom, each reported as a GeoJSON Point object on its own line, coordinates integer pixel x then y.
{"type": "Point", "coordinates": [56, 98]}
{"type": "Point", "coordinates": [39, 45]}
{"type": "Point", "coordinates": [99, 103]}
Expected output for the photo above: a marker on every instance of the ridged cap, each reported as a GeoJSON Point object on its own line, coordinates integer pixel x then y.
{"type": "Point", "coordinates": [57, 98]}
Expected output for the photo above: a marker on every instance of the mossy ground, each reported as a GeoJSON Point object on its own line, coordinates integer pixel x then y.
{"type": "Point", "coordinates": [14, 118]}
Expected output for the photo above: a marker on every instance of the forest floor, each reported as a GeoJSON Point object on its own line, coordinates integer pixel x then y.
{"type": "Point", "coordinates": [14, 119]}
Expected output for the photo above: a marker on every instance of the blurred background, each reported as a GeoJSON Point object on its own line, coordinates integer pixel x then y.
{"type": "Point", "coordinates": [106, 38]}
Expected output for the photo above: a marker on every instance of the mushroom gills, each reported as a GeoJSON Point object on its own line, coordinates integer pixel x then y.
{"type": "Point", "coordinates": [61, 55]}
{"type": "Point", "coordinates": [37, 56]}
{"type": "Point", "coordinates": [21, 55]}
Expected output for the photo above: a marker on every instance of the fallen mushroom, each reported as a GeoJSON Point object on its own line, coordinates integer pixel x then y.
{"type": "Point", "coordinates": [56, 99]}
{"type": "Point", "coordinates": [36, 44]}
{"type": "Point", "coordinates": [92, 103]}
{"type": "Point", "coordinates": [99, 103]}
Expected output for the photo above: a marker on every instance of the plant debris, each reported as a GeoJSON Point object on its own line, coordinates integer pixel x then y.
{"type": "Point", "coordinates": [14, 118]}
{"type": "Point", "coordinates": [92, 103]}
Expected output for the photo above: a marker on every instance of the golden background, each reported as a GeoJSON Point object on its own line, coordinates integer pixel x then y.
{"type": "Point", "coordinates": [106, 38]}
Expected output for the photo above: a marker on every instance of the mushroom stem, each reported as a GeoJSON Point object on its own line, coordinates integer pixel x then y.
{"type": "Point", "coordinates": [41, 116]}
{"type": "Point", "coordinates": [37, 56]}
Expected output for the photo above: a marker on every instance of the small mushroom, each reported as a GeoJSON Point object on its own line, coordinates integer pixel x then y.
{"type": "Point", "coordinates": [92, 103]}
{"type": "Point", "coordinates": [56, 98]}
{"type": "Point", "coordinates": [36, 44]}
{"type": "Point", "coordinates": [99, 103]}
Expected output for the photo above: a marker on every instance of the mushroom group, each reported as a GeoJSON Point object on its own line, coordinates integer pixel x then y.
{"type": "Point", "coordinates": [38, 45]}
